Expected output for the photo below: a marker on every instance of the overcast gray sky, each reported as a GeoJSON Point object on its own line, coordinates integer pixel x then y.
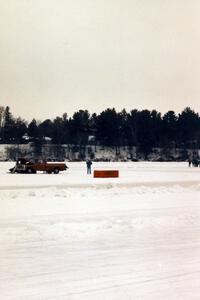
{"type": "Point", "coordinates": [63, 55]}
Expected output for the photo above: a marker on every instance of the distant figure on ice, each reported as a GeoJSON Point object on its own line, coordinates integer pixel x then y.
{"type": "Point", "coordinates": [195, 162]}
{"type": "Point", "coordinates": [89, 164]}
{"type": "Point", "coordinates": [189, 162]}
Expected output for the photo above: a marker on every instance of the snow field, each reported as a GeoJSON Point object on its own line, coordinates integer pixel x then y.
{"type": "Point", "coordinates": [70, 236]}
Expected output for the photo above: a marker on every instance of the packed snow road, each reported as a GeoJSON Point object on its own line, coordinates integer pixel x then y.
{"type": "Point", "coordinates": [70, 236]}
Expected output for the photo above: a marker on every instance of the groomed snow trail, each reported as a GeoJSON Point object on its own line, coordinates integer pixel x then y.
{"type": "Point", "coordinates": [69, 237]}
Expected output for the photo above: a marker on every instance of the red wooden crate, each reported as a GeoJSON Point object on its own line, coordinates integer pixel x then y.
{"type": "Point", "coordinates": [106, 173]}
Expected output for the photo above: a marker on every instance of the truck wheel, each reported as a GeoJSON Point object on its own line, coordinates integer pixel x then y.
{"type": "Point", "coordinates": [56, 171]}
{"type": "Point", "coordinates": [29, 171]}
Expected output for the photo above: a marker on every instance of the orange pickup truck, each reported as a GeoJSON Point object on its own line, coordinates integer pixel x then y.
{"type": "Point", "coordinates": [32, 166]}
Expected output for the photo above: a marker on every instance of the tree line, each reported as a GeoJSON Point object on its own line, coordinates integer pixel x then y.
{"type": "Point", "coordinates": [144, 129]}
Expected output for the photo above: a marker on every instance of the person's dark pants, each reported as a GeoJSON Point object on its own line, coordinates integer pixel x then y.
{"type": "Point", "coordinates": [88, 170]}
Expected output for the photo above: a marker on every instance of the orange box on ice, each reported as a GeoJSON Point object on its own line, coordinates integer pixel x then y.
{"type": "Point", "coordinates": [106, 173]}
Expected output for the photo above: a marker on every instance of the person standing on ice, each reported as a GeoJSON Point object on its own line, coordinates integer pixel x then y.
{"type": "Point", "coordinates": [189, 162]}
{"type": "Point", "coordinates": [89, 165]}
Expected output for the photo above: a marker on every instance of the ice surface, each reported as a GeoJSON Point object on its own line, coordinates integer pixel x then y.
{"type": "Point", "coordinates": [70, 236]}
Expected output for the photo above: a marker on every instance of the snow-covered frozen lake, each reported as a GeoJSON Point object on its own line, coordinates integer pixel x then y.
{"type": "Point", "coordinates": [73, 237]}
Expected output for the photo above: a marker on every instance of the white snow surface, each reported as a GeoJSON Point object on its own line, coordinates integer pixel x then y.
{"type": "Point", "coordinates": [71, 236]}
